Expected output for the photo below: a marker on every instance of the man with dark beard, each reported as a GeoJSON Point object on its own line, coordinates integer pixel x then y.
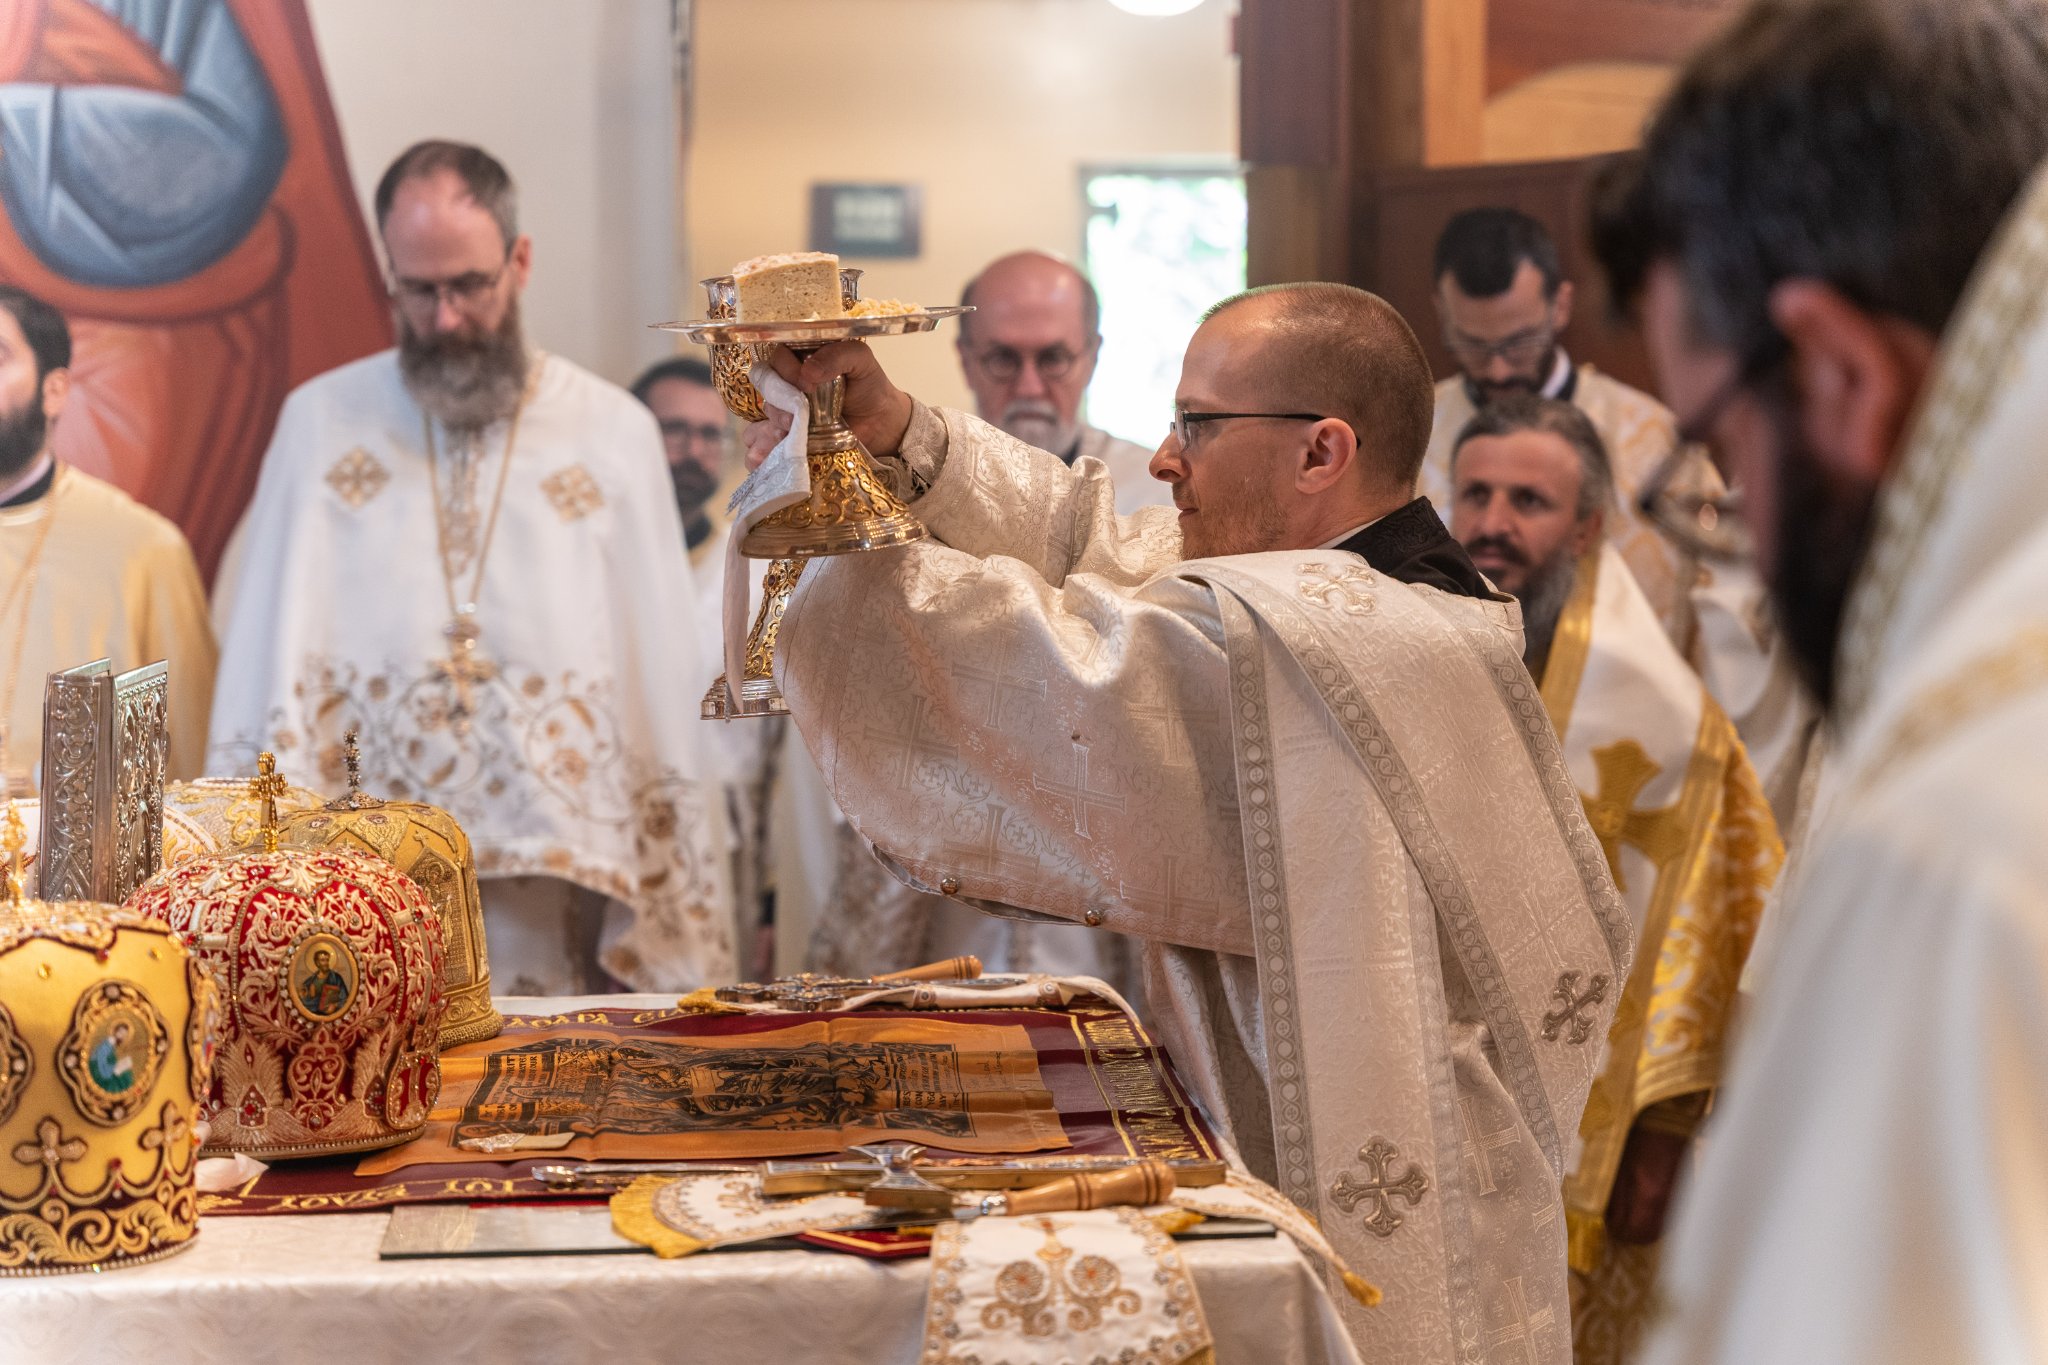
{"type": "Point", "coordinates": [86, 572]}
{"type": "Point", "coordinates": [1675, 804]}
{"type": "Point", "coordinates": [1530, 494]}
{"type": "Point", "coordinates": [471, 551]}
{"type": "Point", "coordinates": [696, 434]}
{"type": "Point", "coordinates": [1835, 238]}
{"type": "Point", "coordinates": [1504, 305]}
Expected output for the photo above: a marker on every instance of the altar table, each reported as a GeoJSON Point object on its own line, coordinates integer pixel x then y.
{"type": "Point", "coordinates": [294, 1288]}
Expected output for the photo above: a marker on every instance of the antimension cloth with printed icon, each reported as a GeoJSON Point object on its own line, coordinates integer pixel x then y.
{"type": "Point", "coordinates": [1085, 1081]}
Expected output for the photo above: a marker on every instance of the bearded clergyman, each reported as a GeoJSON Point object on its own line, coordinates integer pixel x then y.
{"type": "Point", "coordinates": [470, 550]}
{"type": "Point", "coordinates": [1505, 306]}
{"type": "Point", "coordinates": [1836, 237]}
{"type": "Point", "coordinates": [1677, 809]}
{"type": "Point", "coordinates": [89, 572]}
{"type": "Point", "coordinates": [1285, 740]}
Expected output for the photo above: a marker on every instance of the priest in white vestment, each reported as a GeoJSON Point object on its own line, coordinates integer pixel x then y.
{"type": "Point", "coordinates": [86, 572]}
{"type": "Point", "coordinates": [1316, 783]}
{"type": "Point", "coordinates": [1504, 304]}
{"type": "Point", "coordinates": [1028, 352]}
{"type": "Point", "coordinates": [1678, 812]}
{"type": "Point", "coordinates": [1871, 1186]}
{"type": "Point", "coordinates": [471, 552]}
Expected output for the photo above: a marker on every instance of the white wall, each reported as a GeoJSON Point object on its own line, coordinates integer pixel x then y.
{"type": "Point", "coordinates": [993, 106]}
{"type": "Point", "coordinates": [576, 97]}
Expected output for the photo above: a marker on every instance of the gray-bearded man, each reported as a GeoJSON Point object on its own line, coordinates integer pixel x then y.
{"type": "Point", "coordinates": [471, 551]}
{"type": "Point", "coordinates": [1308, 771]}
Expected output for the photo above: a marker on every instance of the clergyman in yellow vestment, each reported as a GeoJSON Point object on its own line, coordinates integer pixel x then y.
{"type": "Point", "coordinates": [1678, 811]}
{"type": "Point", "coordinates": [86, 572]}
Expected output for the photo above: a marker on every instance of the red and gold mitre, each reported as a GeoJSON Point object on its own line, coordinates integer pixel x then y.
{"type": "Point", "coordinates": [331, 967]}
{"type": "Point", "coordinates": [107, 1029]}
{"type": "Point", "coordinates": [426, 844]}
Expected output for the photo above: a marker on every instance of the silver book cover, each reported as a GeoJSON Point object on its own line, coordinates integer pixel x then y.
{"type": "Point", "coordinates": [105, 739]}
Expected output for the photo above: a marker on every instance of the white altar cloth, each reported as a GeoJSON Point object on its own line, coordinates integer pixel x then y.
{"type": "Point", "coordinates": [310, 1288]}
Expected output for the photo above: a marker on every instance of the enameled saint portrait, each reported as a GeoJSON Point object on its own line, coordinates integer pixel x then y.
{"type": "Point", "coordinates": [321, 980]}
{"type": "Point", "coordinates": [112, 1054]}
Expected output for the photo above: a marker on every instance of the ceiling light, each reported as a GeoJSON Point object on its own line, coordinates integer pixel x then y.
{"type": "Point", "coordinates": [1155, 9]}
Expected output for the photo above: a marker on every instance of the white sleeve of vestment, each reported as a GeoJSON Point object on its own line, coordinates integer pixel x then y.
{"type": "Point", "coordinates": [1874, 1187]}
{"type": "Point", "coordinates": [247, 603]}
{"type": "Point", "coordinates": [1747, 667]}
{"type": "Point", "coordinates": [991, 494]}
{"type": "Point", "coordinates": [1010, 724]}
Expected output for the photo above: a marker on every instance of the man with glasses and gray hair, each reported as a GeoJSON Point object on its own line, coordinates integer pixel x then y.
{"type": "Point", "coordinates": [469, 551]}
{"type": "Point", "coordinates": [1503, 303]}
{"type": "Point", "coordinates": [1028, 351]}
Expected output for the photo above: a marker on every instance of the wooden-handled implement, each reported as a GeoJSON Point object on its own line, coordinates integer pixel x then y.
{"type": "Point", "coordinates": [810, 992]}
{"type": "Point", "coordinates": [1148, 1182]}
{"type": "Point", "coordinates": [1139, 1185]}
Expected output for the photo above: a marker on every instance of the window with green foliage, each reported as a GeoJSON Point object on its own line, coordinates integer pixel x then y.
{"type": "Point", "coordinates": [1163, 244]}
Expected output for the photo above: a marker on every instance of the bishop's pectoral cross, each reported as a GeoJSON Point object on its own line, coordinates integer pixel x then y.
{"type": "Point", "coordinates": [464, 670]}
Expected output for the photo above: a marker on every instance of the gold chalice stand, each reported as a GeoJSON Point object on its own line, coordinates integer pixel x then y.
{"type": "Point", "coordinates": [850, 508]}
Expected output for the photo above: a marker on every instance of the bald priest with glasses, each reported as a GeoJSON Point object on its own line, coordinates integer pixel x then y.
{"type": "Point", "coordinates": [1503, 303]}
{"type": "Point", "coordinates": [1285, 740]}
{"type": "Point", "coordinates": [470, 551]}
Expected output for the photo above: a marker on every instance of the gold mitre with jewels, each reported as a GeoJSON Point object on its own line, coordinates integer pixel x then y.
{"type": "Point", "coordinates": [107, 1031]}
{"type": "Point", "coordinates": [331, 964]}
{"type": "Point", "coordinates": [426, 844]}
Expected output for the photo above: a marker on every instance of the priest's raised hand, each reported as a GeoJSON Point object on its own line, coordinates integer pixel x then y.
{"type": "Point", "coordinates": [1307, 769]}
{"type": "Point", "coordinates": [875, 409]}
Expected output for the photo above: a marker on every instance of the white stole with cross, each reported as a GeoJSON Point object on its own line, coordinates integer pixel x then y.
{"type": "Point", "coordinates": [1330, 803]}
{"type": "Point", "coordinates": [1421, 877]}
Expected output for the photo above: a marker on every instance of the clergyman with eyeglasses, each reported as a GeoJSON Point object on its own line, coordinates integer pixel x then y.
{"type": "Point", "coordinates": [1028, 351]}
{"type": "Point", "coordinates": [469, 550]}
{"type": "Point", "coordinates": [1836, 238]}
{"type": "Point", "coordinates": [1285, 740]}
{"type": "Point", "coordinates": [1504, 304]}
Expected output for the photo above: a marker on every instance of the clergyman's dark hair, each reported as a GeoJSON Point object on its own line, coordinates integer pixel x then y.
{"type": "Point", "coordinates": [1513, 412]}
{"type": "Point", "coordinates": [687, 368]}
{"type": "Point", "coordinates": [48, 335]}
{"type": "Point", "coordinates": [1483, 248]}
{"type": "Point", "coordinates": [482, 174]}
{"type": "Point", "coordinates": [1874, 145]}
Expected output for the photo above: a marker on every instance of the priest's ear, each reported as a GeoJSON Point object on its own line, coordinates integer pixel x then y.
{"type": "Point", "coordinates": [520, 257]}
{"type": "Point", "coordinates": [1330, 458]}
{"type": "Point", "coordinates": [56, 392]}
{"type": "Point", "coordinates": [1856, 375]}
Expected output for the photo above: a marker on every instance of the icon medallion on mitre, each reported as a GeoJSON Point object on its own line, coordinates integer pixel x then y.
{"type": "Point", "coordinates": [331, 964]}
{"type": "Point", "coordinates": [107, 1032]}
